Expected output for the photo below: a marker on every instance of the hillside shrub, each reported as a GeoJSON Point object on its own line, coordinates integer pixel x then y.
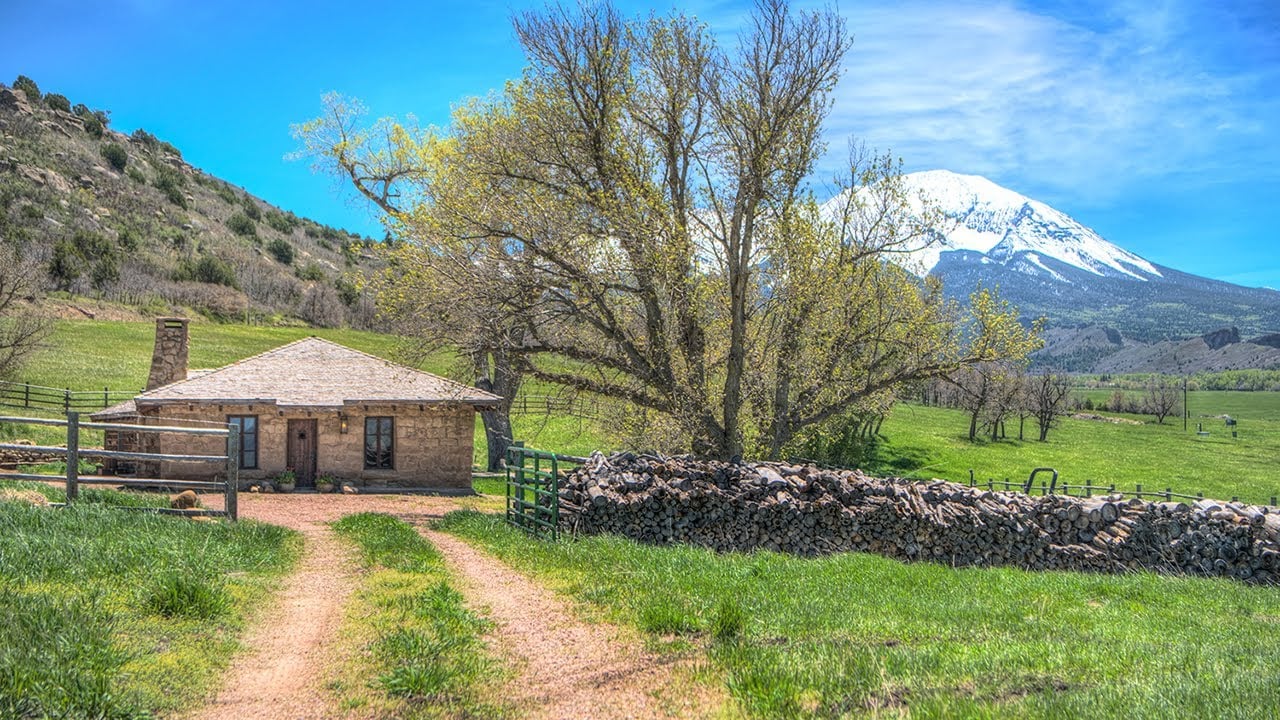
{"type": "Point", "coordinates": [311, 272]}
{"type": "Point", "coordinates": [170, 183]}
{"type": "Point", "coordinates": [170, 148]}
{"type": "Point", "coordinates": [65, 265]}
{"type": "Point", "coordinates": [251, 208]}
{"type": "Point", "coordinates": [57, 102]}
{"type": "Point", "coordinates": [348, 292]}
{"type": "Point", "coordinates": [115, 156]}
{"type": "Point", "coordinates": [127, 239]}
{"type": "Point", "coordinates": [28, 87]}
{"type": "Point", "coordinates": [225, 192]}
{"type": "Point", "coordinates": [106, 272]}
{"type": "Point", "coordinates": [93, 126]}
{"type": "Point", "coordinates": [145, 138]}
{"type": "Point", "coordinates": [136, 175]}
{"type": "Point", "coordinates": [241, 225]}
{"type": "Point", "coordinates": [280, 222]}
{"type": "Point", "coordinates": [281, 250]}
{"type": "Point", "coordinates": [207, 269]}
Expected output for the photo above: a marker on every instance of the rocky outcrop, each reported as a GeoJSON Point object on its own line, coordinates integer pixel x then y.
{"type": "Point", "coordinates": [14, 100]}
{"type": "Point", "coordinates": [1219, 339]}
{"type": "Point", "coordinates": [808, 510]}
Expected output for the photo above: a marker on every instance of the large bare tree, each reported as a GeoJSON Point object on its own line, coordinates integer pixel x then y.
{"type": "Point", "coordinates": [1047, 395]}
{"type": "Point", "coordinates": [22, 326]}
{"type": "Point", "coordinates": [632, 219]}
{"type": "Point", "coordinates": [1162, 397]}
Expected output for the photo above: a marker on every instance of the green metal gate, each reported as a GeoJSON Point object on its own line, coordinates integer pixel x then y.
{"type": "Point", "coordinates": [533, 491]}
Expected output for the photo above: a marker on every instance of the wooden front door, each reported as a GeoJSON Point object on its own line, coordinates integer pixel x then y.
{"type": "Point", "coordinates": [301, 452]}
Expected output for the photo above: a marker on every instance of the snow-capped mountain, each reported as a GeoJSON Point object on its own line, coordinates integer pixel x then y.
{"type": "Point", "coordinates": [1049, 264]}
{"type": "Point", "coordinates": [1005, 226]}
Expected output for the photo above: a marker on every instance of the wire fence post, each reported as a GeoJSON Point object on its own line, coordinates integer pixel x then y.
{"type": "Point", "coordinates": [73, 456]}
{"type": "Point", "coordinates": [233, 472]}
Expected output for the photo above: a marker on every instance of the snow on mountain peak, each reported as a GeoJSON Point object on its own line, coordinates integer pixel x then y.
{"type": "Point", "coordinates": [1005, 225]}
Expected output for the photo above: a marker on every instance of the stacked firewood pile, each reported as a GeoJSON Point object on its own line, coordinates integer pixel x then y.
{"type": "Point", "coordinates": [808, 510]}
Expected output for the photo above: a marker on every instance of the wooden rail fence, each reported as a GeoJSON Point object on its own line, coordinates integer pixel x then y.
{"type": "Point", "coordinates": [72, 453]}
{"type": "Point", "coordinates": [26, 395]}
{"type": "Point", "coordinates": [556, 405]}
{"type": "Point", "coordinates": [1087, 489]}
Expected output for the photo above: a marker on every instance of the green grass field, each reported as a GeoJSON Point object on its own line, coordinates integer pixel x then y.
{"type": "Point", "coordinates": [932, 442]}
{"type": "Point", "coordinates": [93, 354]}
{"type": "Point", "coordinates": [856, 635]}
{"type": "Point", "coordinates": [109, 613]}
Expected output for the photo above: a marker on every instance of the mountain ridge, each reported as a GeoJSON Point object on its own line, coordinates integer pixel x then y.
{"type": "Point", "coordinates": [1050, 265]}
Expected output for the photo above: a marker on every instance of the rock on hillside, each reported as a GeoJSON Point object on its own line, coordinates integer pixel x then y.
{"type": "Point", "coordinates": [126, 219]}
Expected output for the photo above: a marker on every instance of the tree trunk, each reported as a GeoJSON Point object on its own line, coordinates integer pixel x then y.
{"type": "Point", "coordinates": [497, 435]}
{"type": "Point", "coordinates": [504, 381]}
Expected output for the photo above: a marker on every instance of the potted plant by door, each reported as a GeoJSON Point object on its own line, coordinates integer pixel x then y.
{"type": "Point", "coordinates": [286, 481]}
{"type": "Point", "coordinates": [325, 484]}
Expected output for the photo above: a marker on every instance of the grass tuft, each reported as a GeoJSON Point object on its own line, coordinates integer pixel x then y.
{"type": "Point", "coordinates": [177, 594]}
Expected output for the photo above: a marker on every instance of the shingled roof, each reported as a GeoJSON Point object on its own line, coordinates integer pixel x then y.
{"type": "Point", "coordinates": [311, 373]}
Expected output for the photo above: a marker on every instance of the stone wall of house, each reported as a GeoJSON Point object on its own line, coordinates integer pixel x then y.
{"type": "Point", "coordinates": [433, 444]}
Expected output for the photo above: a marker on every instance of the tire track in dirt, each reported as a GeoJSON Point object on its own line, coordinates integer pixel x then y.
{"type": "Point", "coordinates": [568, 668]}
{"type": "Point", "coordinates": [280, 676]}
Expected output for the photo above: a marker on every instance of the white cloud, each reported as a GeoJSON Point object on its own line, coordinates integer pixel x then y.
{"type": "Point", "coordinates": [1080, 106]}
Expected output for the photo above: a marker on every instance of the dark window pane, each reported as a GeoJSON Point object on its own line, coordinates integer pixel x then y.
{"type": "Point", "coordinates": [378, 443]}
{"type": "Point", "coordinates": [248, 427]}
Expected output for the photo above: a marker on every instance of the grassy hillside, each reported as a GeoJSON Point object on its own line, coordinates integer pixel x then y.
{"type": "Point", "coordinates": [123, 217]}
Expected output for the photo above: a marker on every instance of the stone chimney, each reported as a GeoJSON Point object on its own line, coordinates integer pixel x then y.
{"type": "Point", "coordinates": [169, 361]}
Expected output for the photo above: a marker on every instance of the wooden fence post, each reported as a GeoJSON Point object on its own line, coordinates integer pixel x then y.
{"type": "Point", "coordinates": [73, 456]}
{"type": "Point", "coordinates": [233, 472]}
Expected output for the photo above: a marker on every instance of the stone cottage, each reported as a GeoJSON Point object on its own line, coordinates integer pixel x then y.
{"type": "Point", "coordinates": [312, 406]}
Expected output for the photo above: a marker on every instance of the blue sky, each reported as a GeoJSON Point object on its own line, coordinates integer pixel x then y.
{"type": "Point", "coordinates": [1156, 123]}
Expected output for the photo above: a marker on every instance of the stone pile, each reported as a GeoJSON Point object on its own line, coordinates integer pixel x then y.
{"type": "Point", "coordinates": [807, 510]}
